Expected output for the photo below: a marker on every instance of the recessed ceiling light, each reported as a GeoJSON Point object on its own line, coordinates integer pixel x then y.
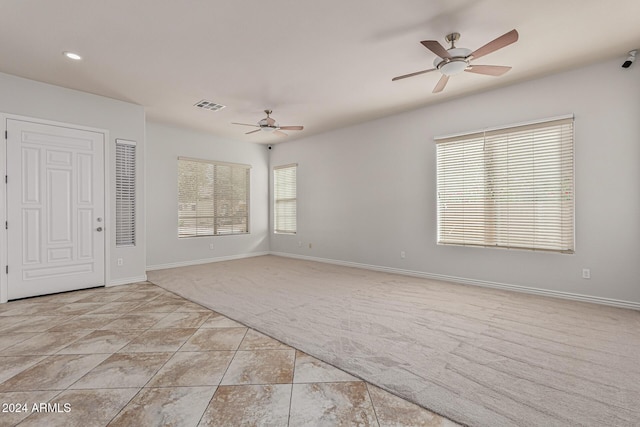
{"type": "Point", "coordinates": [72, 55]}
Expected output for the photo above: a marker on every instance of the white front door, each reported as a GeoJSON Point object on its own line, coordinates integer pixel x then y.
{"type": "Point", "coordinates": [55, 209]}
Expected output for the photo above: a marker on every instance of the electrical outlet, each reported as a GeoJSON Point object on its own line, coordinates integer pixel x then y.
{"type": "Point", "coordinates": [310, 245]}
{"type": "Point", "coordinates": [586, 273]}
{"type": "Point", "coordinates": [120, 261]}
{"type": "Point", "coordinates": [211, 246]}
{"type": "Point", "coordinates": [402, 254]}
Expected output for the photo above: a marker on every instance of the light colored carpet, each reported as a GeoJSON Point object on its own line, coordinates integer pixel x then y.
{"type": "Point", "coordinates": [482, 357]}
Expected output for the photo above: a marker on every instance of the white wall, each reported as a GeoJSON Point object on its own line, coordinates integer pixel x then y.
{"type": "Point", "coordinates": [367, 192]}
{"type": "Point", "coordinates": [164, 145]}
{"type": "Point", "coordinates": [120, 119]}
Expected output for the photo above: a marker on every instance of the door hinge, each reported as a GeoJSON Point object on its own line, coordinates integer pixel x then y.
{"type": "Point", "coordinates": [6, 225]}
{"type": "Point", "coordinates": [7, 269]}
{"type": "Point", "coordinates": [6, 179]}
{"type": "Point", "coordinates": [6, 134]}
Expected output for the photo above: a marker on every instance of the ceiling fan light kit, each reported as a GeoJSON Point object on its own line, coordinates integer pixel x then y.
{"type": "Point", "coordinates": [455, 60]}
{"type": "Point", "coordinates": [454, 65]}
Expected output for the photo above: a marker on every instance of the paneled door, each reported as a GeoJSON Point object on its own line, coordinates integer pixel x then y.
{"type": "Point", "coordinates": [55, 209]}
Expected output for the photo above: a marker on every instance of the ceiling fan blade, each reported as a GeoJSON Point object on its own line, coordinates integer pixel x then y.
{"type": "Point", "coordinates": [417, 73]}
{"type": "Point", "coordinates": [253, 131]}
{"type": "Point", "coordinates": [291, 127]}
{"type": "Point", "coordinates": [441, 84]}
{"type": "Point", "coordinates": [277, 132]}
{"type": "Point", "coordinates": [245, 124]}
{"type": "Point", "coordinates": [436, 48]}
{"type": "Point", "coordinates": [270, 121]}
{"type": "Point", "coordinates": [499, 43]}
{"type": "Point", "coordinates": [489, 70]}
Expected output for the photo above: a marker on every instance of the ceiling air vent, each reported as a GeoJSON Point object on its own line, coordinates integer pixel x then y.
{"type": "Point", "coordinates": [208, 105]}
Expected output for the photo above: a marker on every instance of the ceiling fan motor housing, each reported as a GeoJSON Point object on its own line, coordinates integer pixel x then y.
{"type": "Point", "coordinates": [456, 64]}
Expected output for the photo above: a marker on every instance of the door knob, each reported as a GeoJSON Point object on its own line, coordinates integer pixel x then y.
{"type": "Point", "coordinates": [99, 229]}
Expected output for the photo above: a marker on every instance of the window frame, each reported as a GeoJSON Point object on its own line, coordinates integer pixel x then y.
{"type": "Point", "coordinates": [214, 230]}
{"type": "Point", "coordinates": [510, 187]}
{"type": "Point", "coordinates": [276, 200]}
{"type": "Point", "coordinates": [126, 193]}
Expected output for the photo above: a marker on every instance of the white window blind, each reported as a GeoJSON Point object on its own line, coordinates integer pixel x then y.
{"type": "Point", "coordinates": [125, 193]}
{"type": "Point", "coordinates": [285, 201]}
{"type": "Point", "coordinates": [213, 198]}
{"type": "Point", "coordinates": [511, 187]}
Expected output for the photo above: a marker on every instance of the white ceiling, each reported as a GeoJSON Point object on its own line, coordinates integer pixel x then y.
{"type": "Point", "coordinates": [321, 64]}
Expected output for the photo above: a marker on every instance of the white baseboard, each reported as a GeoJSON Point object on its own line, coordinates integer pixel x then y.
{"type": "Point", "coordinates": [204, 261]}
{"type": "Point", "coordinates": [465, 281]}
{"type": "Point", "coordinates": [127, 281]}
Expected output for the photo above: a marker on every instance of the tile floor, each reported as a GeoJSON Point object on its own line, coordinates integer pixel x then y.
{"type": "Point", "coordinates": [138, 355]}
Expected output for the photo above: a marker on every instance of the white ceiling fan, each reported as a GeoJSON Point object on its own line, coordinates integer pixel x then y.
{"type": "Point", "coordinates": [455, 59]}
{"type": "Point", "coordinates": [268, 124]}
